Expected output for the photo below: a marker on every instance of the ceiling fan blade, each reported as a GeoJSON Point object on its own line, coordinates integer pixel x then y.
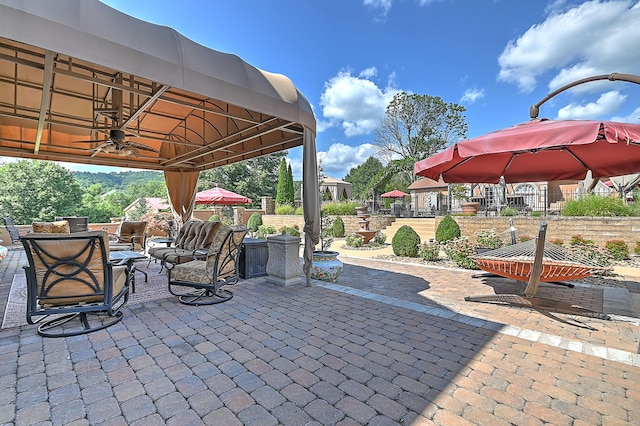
{"type": "Point", "coordinates": [91, 141]}
{"type": "Point", "coordinates": [141, 146]}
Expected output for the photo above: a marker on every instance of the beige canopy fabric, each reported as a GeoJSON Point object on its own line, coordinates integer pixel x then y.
{"type": "Point", "coordinates": [73, 71]}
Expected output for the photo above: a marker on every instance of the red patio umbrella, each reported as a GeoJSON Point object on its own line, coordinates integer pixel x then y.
{"type": "Point", "coordinates": [394, 194]}
{"type": "Point", "coordinates": [539, 150]}
{"type": "Point", "coordinates": [220, 196]}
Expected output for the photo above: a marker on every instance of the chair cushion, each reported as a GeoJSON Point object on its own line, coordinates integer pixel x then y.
{"type": "Point", "coordinates": [59, 227]}
{"type": "Point", "coordinates": [194, 271]}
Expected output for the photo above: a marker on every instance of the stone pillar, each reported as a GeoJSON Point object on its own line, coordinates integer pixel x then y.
{"type": "Point", "coordinates": [283, 266]}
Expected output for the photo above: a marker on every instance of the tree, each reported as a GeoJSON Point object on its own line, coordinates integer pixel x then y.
{"type": "Point", "coordinates": [283, 179]}
{"type": "Point", "coordinates": [360, 177]}
{"type": "Point", "coordinates": [253, 178]}
{"type": "Point", "coordinates": [417, 126]}
{"type": "Point", "coordinates": [291, 194]}
{"type": "Point", "coordinates": [37, 191]}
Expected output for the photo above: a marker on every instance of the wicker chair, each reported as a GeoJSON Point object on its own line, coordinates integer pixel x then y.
{"type": "Point", "coordinates": [72, 288]}
{"type": "Point", "coordinates": [203, 282]}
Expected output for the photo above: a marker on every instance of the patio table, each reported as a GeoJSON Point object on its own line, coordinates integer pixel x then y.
{"type": "Point", "coordinates": [122, 256]}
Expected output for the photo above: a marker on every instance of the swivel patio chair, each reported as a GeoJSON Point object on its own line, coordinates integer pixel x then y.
{"type": "Point", "coordinates": [72, 288]}
{"type": "Point", "coordinates": [130, 235]}
{"type": "Point", "coordinates": [203, 282]}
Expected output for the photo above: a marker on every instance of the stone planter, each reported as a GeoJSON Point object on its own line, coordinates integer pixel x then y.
{"type": "Point", "coordinates": [470, 208]}
{"type": "Point", "coordinates": [326, 266]}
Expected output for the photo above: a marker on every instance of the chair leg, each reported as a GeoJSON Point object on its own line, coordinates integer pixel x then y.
{"type": "Point", "coordinates": [201, 297]}
{"type": "Point", "coordinates": [62, 326]}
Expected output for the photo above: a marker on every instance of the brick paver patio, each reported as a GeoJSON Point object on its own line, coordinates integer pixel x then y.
{"type": "Point", "coordinates": [388, 344]}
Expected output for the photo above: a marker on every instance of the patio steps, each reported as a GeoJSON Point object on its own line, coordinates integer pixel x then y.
{"type": "Point", "coordinates": [425, 227]}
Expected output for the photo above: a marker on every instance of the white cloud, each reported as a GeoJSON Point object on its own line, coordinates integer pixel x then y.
{"type": "Point", "coordinates": [472, 95]}
{"type": "Point", "coordinates": [606, 104]}
{"type": "Point", "coordinates": [383, 5]}
{"type": "Point", "coordinates": [574, 42]}
{"type": "Point", "coordinates": [340, 158]}
{"type": "Point", "coordinates": [634, 117]}
{"type": "Point", "coordinates": [356, 104]}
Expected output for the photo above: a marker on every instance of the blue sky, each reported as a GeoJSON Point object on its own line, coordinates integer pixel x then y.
{"type": "Point", "coordinates": [349, 57]}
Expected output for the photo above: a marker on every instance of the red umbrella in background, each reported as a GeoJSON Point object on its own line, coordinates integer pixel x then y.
{"type": "Point", "coordinates": [394, 194]}
{"type": "Point", "coordinates": [220, 196]}
{"type": "Point", "coordinates": [539, 150]}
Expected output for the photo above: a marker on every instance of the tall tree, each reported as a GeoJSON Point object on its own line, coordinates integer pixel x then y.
{"type": "Point", "coordinates": [360, 177]}
{"type": "Point", "coordinates": [253, 178]}
{"type": "Point", "coordinates": [417, 126]}
{"type": "Point", "coordinates": [37, 190]}
{"type": "Point", "coordinates": [291, 194]}
{"type": "Point", "coordinates": [281, 195]}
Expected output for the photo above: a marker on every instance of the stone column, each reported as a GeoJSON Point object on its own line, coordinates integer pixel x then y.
{"type": "Point", "coordinates": [283, 266]}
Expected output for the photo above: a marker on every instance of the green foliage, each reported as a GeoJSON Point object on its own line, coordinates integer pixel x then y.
{"type": "Point", "coordinates": [252, 178]}
{"type": "Point", "coordinates": [429, 251]}
{"type": "Point", "coordinates": [597, 205]}
{"type": "Point", "coordinates": [140, 208]}
{"type": "Point", "coordinates": [291, 194]}
{"type": "Point", "coordinates": [255, 220]}
{"type": "Point", "coordinates": [354, 240]}
{"type": "Point", "coordinates": [283, 180]}
{"type": "Point", "coordinates": [591, 252]}
{"type": "Point", "coordinates": [299, 210]}
{"type": "Point", "coordinates": [290, 230]}
{"type": "Point", "coordinates": [636, 250]}
{"type": "Point", "coordinates": [461, 251]}
{"type": "Point", "coordinates": [405, 242]}
{"type": "Point", "coordinates": [448, 229]}
{"type": "Point", "coordinates": [38, 191]}
{"type": "Point", "coordinates": [360, 177]}
{"type": "Point", "coordinates": [509, 211]}
{"type": "Point", "coordinates": [326, 236]}
{"type": "Point", "coordinates": [459, 192]}
{"type": "Point", "coordinates": [285, 209]}
{"type": "Point", "coordinates": [380, 237]}
{"type": "Point", "coordinates": [580, 240]}
{"type": "Point", "coordinates": [535, 214]}
{"type": "Point", "coordinates": [337, 228]}
{"type": "Point", "coordinates": [264, 230]}
{"type": "Point", "coordinates": [618, 249]}
{"type": "Point", "coordinates": [489, 238]}
{"type": "Point", "coordinates": [340, 208]}
{"type": "Point", "coordinates": [214, 218]}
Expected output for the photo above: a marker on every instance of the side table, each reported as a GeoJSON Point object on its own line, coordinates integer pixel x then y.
{"type": "Point", "coordinates": [254, 255]}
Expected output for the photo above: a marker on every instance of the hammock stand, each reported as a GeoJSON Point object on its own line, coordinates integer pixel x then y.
{"type": "Point", "coordinates": [534, 269]}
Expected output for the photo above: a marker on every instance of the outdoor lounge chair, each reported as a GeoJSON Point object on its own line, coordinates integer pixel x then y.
{"type": "Point", "coordinates": [193, 242]}
{"type": "Point", "coordinates": [202, 282]}
{"type": "Point", "coordinates": [72, 288]}
{"type": "Point", "coordinates": [11, 228]}
{"type": "Point", "coordinates": [131, 235]}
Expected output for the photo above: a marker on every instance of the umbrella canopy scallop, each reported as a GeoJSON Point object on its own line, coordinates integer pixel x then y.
{"type": "Point", "coordinates": [394, 194]}
{"type": "Point", "coordinates": [220, 196]}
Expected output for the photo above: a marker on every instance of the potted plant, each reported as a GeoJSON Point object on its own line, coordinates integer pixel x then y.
{"type": "Point", "coordinates": [459, 193]}
{"type": "Point", "coordinates": [326, 265]}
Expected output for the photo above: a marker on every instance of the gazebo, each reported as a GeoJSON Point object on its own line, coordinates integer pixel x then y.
{"type": "Point", "coordinates": [82, 82]}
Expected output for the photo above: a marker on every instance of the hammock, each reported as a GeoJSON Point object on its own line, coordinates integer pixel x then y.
{"type": "Point", "coordinates": [558, 263]}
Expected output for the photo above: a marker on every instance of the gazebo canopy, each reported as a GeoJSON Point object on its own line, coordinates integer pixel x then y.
{"type": "Point", "coordinates": [78, 70]}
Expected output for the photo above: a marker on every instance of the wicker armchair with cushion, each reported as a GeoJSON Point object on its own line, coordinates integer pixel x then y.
{"type": "Point", "coordinates": [58, 227]}
{"type": "Point", "coordinates": [72, 288]}
{"type": "Point", "coordinates": [192, 243]}
{"type": "Point", "coordinates": [202, 282]}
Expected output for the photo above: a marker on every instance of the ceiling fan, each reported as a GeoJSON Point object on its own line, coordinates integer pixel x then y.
{"type": "Point", "coordinates": [116, 144]}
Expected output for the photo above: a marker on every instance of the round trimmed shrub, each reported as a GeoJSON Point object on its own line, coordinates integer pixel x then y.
{"type": "Point", "coordinates": [448, 229]}
{"type": "Point", "coordinates": [429, 251]}
{"type": "Point", "coordinates": [380, 237]}
{"type": "Point", "coordinates": [354, 240]}
{"type": "Point", "coordinates": [405, 242]}
{"type": "Point", "coordinates": [254, 222]}
{"type": "Point", "coordinates": [337, 228]}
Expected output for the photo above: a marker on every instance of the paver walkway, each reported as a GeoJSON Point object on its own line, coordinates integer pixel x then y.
{"type": "Point", "coordinates": [387, 344]}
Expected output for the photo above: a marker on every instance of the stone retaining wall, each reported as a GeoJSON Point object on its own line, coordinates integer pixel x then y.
{"type": "Point", "coordinates": [598, 229]}
{"type": "Point", "coordinates": [350, 222]}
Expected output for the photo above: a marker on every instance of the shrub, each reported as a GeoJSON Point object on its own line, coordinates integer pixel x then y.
{"type": "Point", "coordinates": [460, 251]}
{"type": "Point", "coordinates": [591, 252]}
{"type": "Point", "coordinates": [337, 228]}
{"type": "Point", "coordinates": [448, 229]}
{"type": "Point", "coordinates": [536, 214]}
{"type": "Point", "coordinates": [290, 230]}
{"type": "Point", "coordinates": [255, 220]}
{"type": "Point", "coordinates": [264, 230]}
{"type": "Point", "coordinates": [488, 238]}
{"type": "Point", "coordinates": [618, 249]}
{"type": "Point", "coordinates": [285, 209]}
{"type": "Point", "coordinates": [354, 240]}
{"type": "Point", "coordinates": [380, 237]}
{"type": "Point", "coordinates": [299, 211]}
{"type": "Point", "coordinates": [214, 218]}
{"type": "Point", "coordinates": [405, 242]}
{"type": "Point", "coordinates": [556, 241]}
{"type": "Point", "coordinates": [578, 240]}
{"type": "Point", "coordinates": [340, 208]}
{"type": "Point", "coordinates": [598, 205]}
{"type": "Point", "coordinates": [637, 249]}
{"type": "Point", "coordinates": [509, 211]}
{"type": "Point", "coordinates": [429, 251]}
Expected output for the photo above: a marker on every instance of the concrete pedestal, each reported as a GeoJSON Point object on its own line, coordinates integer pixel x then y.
{"type": "Point", "coordinates": [283, 266]}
